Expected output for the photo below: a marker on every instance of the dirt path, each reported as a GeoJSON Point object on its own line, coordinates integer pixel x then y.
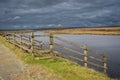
{"type": "Point", "coordinates": [10, 66]}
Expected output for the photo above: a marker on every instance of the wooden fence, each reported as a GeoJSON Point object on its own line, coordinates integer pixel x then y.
{"type": "Point", "coordinates": [28, 42]}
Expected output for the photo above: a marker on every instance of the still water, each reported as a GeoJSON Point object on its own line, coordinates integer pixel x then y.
{"type": "Point", "coordinates": [110, 45]}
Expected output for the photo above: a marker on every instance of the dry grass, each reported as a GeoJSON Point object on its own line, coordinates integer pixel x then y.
{"type": "Point", "coordinates": [96, 31]}
{"type": "Point", "coordinates": [38, 72]}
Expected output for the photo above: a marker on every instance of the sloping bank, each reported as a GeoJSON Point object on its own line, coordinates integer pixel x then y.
{"type": "Point", "coordinates": [52, 69]}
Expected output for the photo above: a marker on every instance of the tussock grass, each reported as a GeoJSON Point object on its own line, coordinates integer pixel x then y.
{"type": "Point", "coordinates": [53, 69]}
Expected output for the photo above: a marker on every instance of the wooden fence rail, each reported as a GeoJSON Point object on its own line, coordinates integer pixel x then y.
{"type": "Point", "coordinates": [29, 43]}
{"type": "Point", "coordinates": [85, 54]}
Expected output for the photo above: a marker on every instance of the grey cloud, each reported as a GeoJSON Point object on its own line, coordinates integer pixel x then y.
{"type": "Point", "coordinates": [67, 13]}
{"type": "Point", "coordinates": [30, 3]}
{"type": "Point", "coordinates": [3, 1]}
{"type": "Point", "coordinates": [94, 14]}
{"type": "Point", "coordinates": [43, 3]}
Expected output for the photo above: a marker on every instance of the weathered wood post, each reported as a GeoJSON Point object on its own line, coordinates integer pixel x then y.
{"type": "Point", "coordinates": [41, 45]}
{"type": "Point", "coordinates": [104, 63]}
{"type": "Point", "coordinates": [8, 36]}
{"type": "Point", "coordinates": [29, 38]}
{"type": "Point", "coordinates": [85, 55]}
{"type": "Point", "coordinates": [51, 44]}
{"type": "Point", "coordinates": [5, 35]}
{"type": "Point", "coordinates": [32, 43]}
{"type": "Point", "coordinates": [14, 37]}
{"type": "Point", "coordinates": [20, 38]}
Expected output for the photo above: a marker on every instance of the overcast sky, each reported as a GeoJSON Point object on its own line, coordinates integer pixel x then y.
{"type": "Point", "coordinates": [21, 14]}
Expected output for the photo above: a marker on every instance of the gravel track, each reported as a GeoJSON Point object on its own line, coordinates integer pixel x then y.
{"type": "Point", "coordinates": [10, 66]}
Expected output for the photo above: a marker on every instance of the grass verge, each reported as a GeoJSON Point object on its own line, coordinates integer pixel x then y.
{"type": "Point", "coordinates": [56, 68]}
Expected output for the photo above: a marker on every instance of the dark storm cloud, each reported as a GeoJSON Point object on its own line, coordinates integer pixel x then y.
{"type": "Point", "coordinates": [51, 13]}
{"type": "Point", "coordinates": [29, 3]}
{"type": "Point", "coordinates": [2, 1]}
{"type": "Point", "coordinates": [43, 3]}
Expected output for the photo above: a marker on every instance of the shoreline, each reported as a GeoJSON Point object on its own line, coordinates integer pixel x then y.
{"type": "Point", "coordinates": [92, 31]}
{"type": "Point", "coordinates": [77, 30]}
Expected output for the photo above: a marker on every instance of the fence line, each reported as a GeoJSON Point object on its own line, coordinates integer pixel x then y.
{"type": "Point", "coordinates": [28, 43]}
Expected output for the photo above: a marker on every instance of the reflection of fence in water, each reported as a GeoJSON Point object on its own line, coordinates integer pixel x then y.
{"type": "Point", "coordinates": [70, 50]}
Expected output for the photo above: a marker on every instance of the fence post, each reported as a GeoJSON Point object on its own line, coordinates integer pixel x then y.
{"type": "Point", "coordinates": [41, 46]}
{"type": "Point", "coordinates": [14, 37]}
{"type": "Point", "coordinates": [51, 44]}
{"type": "Point", "coordinates": [8, 36]}
{"type": "Point", "coordinates": [29, 41]}
{"type": "Point", "coordinates": [85, 55]}
{"type": "Point", "coordinates": [29, 38]}
{"type": "Point", "coordinates": [104, 63]}
{"type": "Point", "coordinates": [5, 35]}
{"type": "Point", "coordinates": [20, 38]}
{"type": "Point", "coordinates": [32, 43]}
